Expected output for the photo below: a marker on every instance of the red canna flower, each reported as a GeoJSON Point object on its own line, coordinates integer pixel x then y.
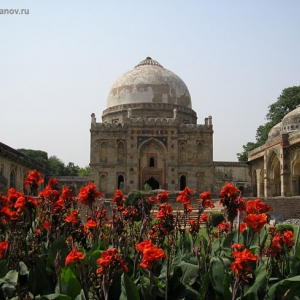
{"type": "Point", "coordinates": [224, 227]}
{"type": "Point", "coordinates": [72, 218]}
{"type": "Point", "coordinates": [164, 211]}
{"type": "Point", "coordinates": [90, 224]}
{"type": "Point", "coordinates": [74, 256]}
{"type": "Point", "coordinates": [33, 179]}
{"type": "Point", "coordinates": [205, 198]}
{"type": "Point", "coordinates": [203, 218]}
{"type": "Point", "coordinates": [229, 190]}
{"type": "Point", "coordinates": [49, 193]}
{"type": "Point", "coordinates": [257, 207]}
{"type": "Point", "coordinates": [287, 238]}
{"type": "Point", "coordinates": [184, 196]}
{"type": "Point", "coordinates": [110, 260]}
{"type": "Point", "coordinates": [242, 227]}
{"type": "Point", "coordinates": [242, 263]}
{"type": "Point", "coordinates": [53, 183]}
{"type": "Point", "coordinates": [256, 222]}
{"type": "Point", "coordinates": [118, 198]}
{"type": "Point", "coordinates": [3, 246]}
{"type": "Point", "coordinates": [162, 197]}
{"type": "Point", "coordinates": [151, 254]}
{"type": "Point", "coordinates": [47, 225]}
{"type": "Point", "coordinates": [89, 194]}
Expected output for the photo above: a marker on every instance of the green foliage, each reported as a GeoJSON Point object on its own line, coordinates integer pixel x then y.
{"type": "Point", "coordinates": [216, 218]}
{"type": "Point", "coordinates": [284, 227]}
{"type": "Point", "coordinates": [286, 102]}
{"type": "Point", "coordinates": [84, 171]}
{"type": "Point", "coordinates": [147, 187]}
{"type": "Point", "coordinates": [38, 155]}
{"type": "Point", "coordinates": [132, 198]}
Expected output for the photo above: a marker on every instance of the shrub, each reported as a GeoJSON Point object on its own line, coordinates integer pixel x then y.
{"type": "Point", "coordinates": [132, 198]}
{"type": "Point", "coordinates": [216, 218]}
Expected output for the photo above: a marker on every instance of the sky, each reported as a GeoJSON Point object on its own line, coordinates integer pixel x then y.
{"type": "Point", "coordinates": [59, 61]}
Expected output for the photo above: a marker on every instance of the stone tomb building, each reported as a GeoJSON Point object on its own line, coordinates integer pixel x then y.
{"type": "Point", "coordinates": [276, 164]}
{"type": "Point", "coordinates": [149, 135]}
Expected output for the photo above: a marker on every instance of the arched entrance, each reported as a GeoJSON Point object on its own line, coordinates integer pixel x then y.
{"type": "Point", "coordinates": [182, 182]}
{"type": "Point", "coordinates": [152, 164]}
{"type": "Point", "coordinates": [274, 176]}
{"type": "Point", "coordinates": [153, 183]}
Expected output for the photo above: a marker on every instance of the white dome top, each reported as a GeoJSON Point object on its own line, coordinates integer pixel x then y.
{"type": "Point", "coordinates": [149, 82]}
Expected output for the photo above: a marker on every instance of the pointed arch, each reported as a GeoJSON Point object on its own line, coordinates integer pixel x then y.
{"type": "Point", "coordinates": [182, 182]}
{"type": "Point", "coordinates": [121, 151]}
{"type": "Point", "coordinates": [182, 151]}
{"type": "Point", "coordinates": [12, 179]}
{"type": "Point", "coordinates": [103, 183]}
{"type": "Point", "coordinates": [273, 175]}
{"type": "Point", "coordinates": [103, 151]}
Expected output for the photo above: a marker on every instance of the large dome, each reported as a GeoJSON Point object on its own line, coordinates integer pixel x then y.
{"type": "Point", "coordinates": [149, 82]}
{"type": "Point", "coordinates": [291, 121]}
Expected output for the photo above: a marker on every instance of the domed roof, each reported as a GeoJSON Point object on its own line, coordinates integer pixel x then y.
{"type": "Point", "coordinates": [149, 82]}
{"type": "Point", "coordinates": [275, 131]}
{"type": "Point", "coordinates": [291, 121]}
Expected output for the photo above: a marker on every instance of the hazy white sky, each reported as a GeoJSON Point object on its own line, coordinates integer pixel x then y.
{"type": "Point", "coordinates": [58, 63]}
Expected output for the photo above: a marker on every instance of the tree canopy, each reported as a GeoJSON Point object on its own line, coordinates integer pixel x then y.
{"type": "Point", "coordinates": [55, 166]}
{"type": "Point", "coordinates": [286, 102]}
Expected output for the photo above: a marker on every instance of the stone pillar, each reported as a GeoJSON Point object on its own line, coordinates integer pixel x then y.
{"type": "Point", "coordinates": [175, 113]}
{"type": "Point", "coordinates": [129, 113]}
{"type": "Point", "coordinates": [258, 179]}
{"type": "Point", "coordinates": [284, 169]}
{"type": "Point", "coordinates": [267, 192]}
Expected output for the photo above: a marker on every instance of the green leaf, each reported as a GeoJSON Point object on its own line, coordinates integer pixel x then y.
{"type": "Point", "coordinates": [40, 279]}
{"type": "Point", "coordinates": [93, 257]}
{"type": "Point", "coordinates": [3, 268]}
{"type": "Point", "coordinates": [189, 273]}
{"type": "Point", "coordinates": [226, 283]}
{"type": "Point", "coordinates": [58, 245]}
{"type": "Point", "coordinates": [55, 297]}
{"type": "Point", "coordinates": [69, 283]}
{"type": "Point", "coordinates": [204, 287]}
{"type": "Point", "coordinates": [129, 289]}
{"type": "Point", "coordinates": [258, 288]}
{"type": "Point", "coordinates": [217, 272]}
{"type": "Point", "coordinates": [290, 286]}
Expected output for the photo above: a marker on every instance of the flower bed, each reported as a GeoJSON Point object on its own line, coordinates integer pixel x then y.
{"type": "Point", "coordinates": [47, 252]}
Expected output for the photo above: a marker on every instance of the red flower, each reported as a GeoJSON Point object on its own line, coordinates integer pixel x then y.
{"type": "Point", "coordinates": [34, 178]}
{"type": "Point", "coordinates": [3, 246]}
{"type": "Point", "coordinates": [184, 196]}
{"type": "Point", "coordinates": [256, 222]}
{"type": "Point", "coordinates": [90, 224]}
{"type": "Point", "coordinates": [237, 247]}
{"type": "Point", "coordinates": [242, 227]}
{"type": "Point", "coordinates": [47, 225]}
{"type": "Point", "coordinates": [53, 183]}
{"type": "Point", "coordinates": [224, 227]}
{"type": "Point", "coordinates": [118, 198]}
{"type": "Point", "coordinates": [242, 264]}
{"type": "Point", "coordinates": [74, 256]}
{"type": "Point", "coordinates": [204, 217]}
{"type": "Point", "coordinates": [72, 218]}
{"type": "Point", "coordinates": [205, 198]}
{"type": "Point", "coordinates": [257, 207]}
{"type": "Point", "coordinates": [110, 260]}
{"type": "Point", "coordinates": [49, 193]}
{"type": "Point", "coordinates": [151, 254]}
{"type": "Point", "coordinates": [162, 197]}
{"type": "Point", "coordinates": [287, 238]}
{"type": "Point", "coordinates": [89, 194]}
{"type": "Point", "coordinates": [229, 190]}
{"type": "Point", "coordinates": [164, 210]}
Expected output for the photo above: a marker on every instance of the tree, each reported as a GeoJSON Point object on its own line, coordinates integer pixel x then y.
{"type": "Point", "coordinates": [71, 170]}
{"type": "Point", "coordinates": [55, 167]}
{"type": "Point", "coordinates": [38, 155]}
{"type": "Point", "coordinates": [84, 171]}
{"type": "Point", "coordinates": [286, 102]}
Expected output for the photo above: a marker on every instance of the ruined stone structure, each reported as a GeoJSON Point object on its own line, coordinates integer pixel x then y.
{"type": "Point", "coordinates": [149, 135]}
{"type": "Point", "coordinates": [276, 164]}
{"type": "Point", "coordinates": [14, 166]}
